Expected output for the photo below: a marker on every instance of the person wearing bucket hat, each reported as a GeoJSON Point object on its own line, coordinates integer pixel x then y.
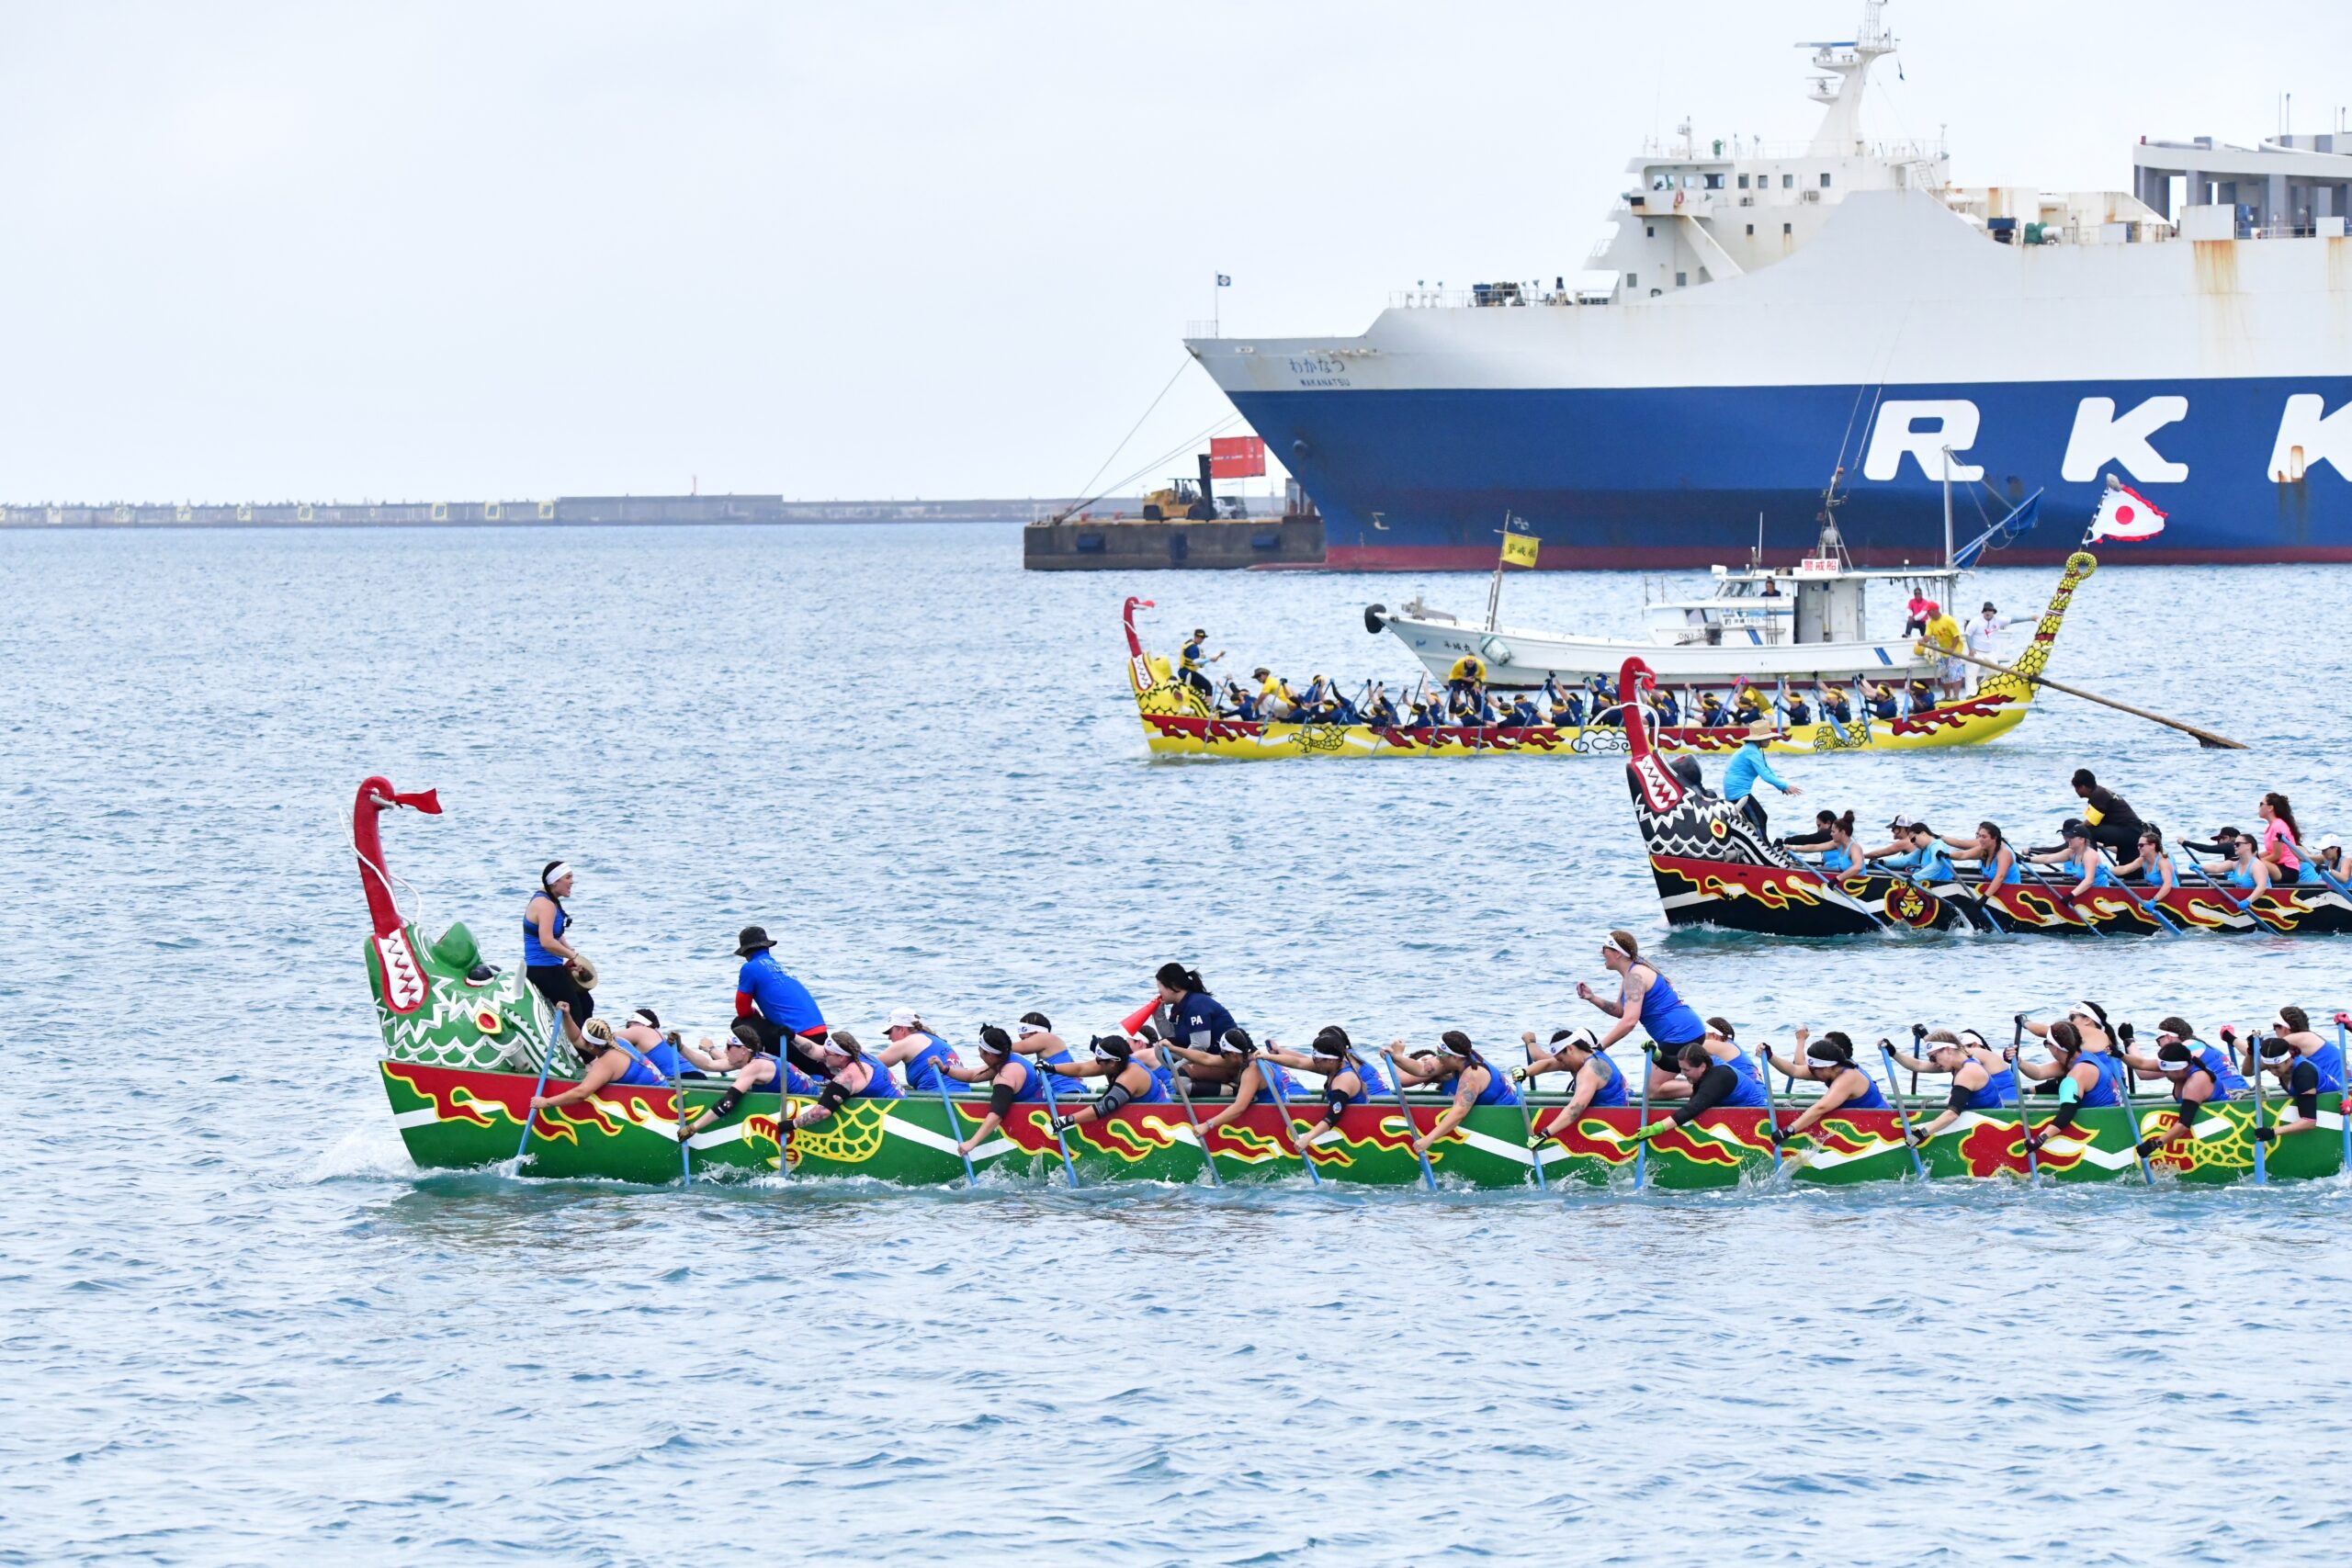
{"type": "Point", "coordinates": [781, 1007]}
{"type": "Point", "coordinates": [553, 966]}
{"type": "Point", "coordinates": [1747, 768]}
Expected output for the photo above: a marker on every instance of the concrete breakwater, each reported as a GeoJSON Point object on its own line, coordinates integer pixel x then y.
{"type": "Point", "coordinates": [614, 509]}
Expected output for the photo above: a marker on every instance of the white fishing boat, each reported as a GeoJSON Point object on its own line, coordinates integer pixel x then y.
{"type": "Point", "coordinates": [1761, 626]}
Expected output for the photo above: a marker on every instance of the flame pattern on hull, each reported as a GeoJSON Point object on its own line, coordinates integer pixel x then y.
{"type": "Point", "coordinates": [458, 1119]}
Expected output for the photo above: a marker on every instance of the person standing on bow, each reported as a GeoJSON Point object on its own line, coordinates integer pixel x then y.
{"type": "Point", "coordinates": [1647, 998]}
{"type": "Point", "coordinates": [1984, 638]}
{"type": "Point", "coordinates": [1193, 667]}
{"type": "Point", "coordinates": [781, 1008]}
{"type": "Point", "coordinates": [553, 967]}
{"type": "Point", "coordinates": [1746, 768]}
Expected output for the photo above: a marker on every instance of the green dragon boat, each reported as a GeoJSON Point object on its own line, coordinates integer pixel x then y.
{"type": "Point", "coordinates": [466, 1046]}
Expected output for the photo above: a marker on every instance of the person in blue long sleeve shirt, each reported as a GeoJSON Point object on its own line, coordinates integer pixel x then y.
{"type": "Point", "coordinates": [1748, 767]}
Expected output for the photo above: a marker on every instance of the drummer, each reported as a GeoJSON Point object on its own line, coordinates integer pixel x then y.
{"type": "Point", "coordinates": [553, 966]}
{"type": "Point", "coordinates": [1647, 998]}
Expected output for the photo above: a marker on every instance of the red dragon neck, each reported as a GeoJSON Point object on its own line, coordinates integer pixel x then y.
{"type": "Point", "coordinates": [374, 794]}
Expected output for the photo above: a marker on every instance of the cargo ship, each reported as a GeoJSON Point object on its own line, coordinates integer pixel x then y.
{"type": "Point", "coordinates": [1764, 322]}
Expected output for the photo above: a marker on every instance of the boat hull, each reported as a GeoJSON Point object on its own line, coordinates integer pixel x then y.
{"type": "Point", "coordinates": [455, 1119]}
{"type": "Point", "coordinates": [1968, 723]}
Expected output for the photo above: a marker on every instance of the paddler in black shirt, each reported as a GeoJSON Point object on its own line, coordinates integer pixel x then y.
{"type": "Point", "coordinates": [2113, 824]}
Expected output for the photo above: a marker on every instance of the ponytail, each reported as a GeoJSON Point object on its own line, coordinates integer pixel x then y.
{"type": "Point", "coordinates": [1844, 824]}
{"type": "Point", "coordinates": [1176, 977]}
{"type": "Point", "coordinates": [2285, 813]}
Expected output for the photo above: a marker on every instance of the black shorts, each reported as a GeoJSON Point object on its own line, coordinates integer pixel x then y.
{"type": "Point", "coordinates": [555, 982]}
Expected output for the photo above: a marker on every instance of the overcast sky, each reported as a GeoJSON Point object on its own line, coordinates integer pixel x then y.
{"type": "Point", "coordinates": [340, 250]}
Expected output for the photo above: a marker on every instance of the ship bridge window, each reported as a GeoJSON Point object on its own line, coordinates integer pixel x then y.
{"type": "Point", "coordinates": [1743, 182]}
{"type": "Point", "coordinates": [1650, 230]}
{"type": "Point", "coordinates": [1682, 280]}
{"type": "Point", "coordinates": [1825, 180]}
{"type": "Point", "coordinates": [1632, 280]}
{"type": "Point", "coordinates": [1788, 182]}
{"type": "Point", "coordinates": [1787, 229]}
{"type": "Point", "coordinates": [1661, 182]}
{"type": "Point", "coordinates": [1751, 231]}
{"type": "Point", "coordinates": [1714, 181]}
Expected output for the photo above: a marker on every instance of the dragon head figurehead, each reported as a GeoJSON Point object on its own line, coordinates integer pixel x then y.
{"type": "Point", "coordinates": [436, 1002]}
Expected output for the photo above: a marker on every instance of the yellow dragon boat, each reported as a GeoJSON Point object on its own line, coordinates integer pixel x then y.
{"type": "Point", "coordinates": [1177, 721]}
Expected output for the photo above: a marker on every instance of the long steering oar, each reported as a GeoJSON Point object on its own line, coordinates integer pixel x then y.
{"type": "Point", "coordinates": [1053, 1119]}
{"type": "Point", "coordinates": [948, 1103]}
{"type": "Point", "coordinates": [1902, 1112]}
{"type": "Point", "coordinates": [1396, 1082]}
{"type": "Point", "coordinates": [531, 1111]}
{"type": "Point", "coordinates": [1176, 1077]}
{"type": "Point", "coordinates": [2205, 737]}
{"type": "Point", "coordinates": [1281, 1102]}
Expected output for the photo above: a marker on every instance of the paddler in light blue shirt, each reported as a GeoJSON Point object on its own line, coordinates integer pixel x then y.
{"type": "Point", "coordinates": [1747, 766]}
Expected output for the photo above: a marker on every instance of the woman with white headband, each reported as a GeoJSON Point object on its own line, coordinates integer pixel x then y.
{"type": "Point", "coordinates": [1982, 1079]}
{"type": "Point", "coordinates": [2307, 1065]}
{"type": "Point", "coordinates": [1599, 1086]}
{"type": "Point", "coordinates": [1646, 998]}
{"type": "Point", "coordinates": [552, 965]}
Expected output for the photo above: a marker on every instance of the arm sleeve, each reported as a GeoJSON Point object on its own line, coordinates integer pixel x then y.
{"type": "Point", "coordinates": [743, 1003]}
{"type": "Point", "coordinates": [1713, 1087]}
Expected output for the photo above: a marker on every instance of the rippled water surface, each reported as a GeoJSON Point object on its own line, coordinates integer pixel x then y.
{"type": "Point", "coordinates": [241, 1326]}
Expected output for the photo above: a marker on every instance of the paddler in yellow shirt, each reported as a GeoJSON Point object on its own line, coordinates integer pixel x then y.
{"type": "Point", "coordinates": [1943, 635]}
{"type": "Point", "coordinates": [1274, 700]}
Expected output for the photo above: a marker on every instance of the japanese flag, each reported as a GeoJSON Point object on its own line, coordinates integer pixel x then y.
{"type": "Point", "coordinates": [2126, 515]}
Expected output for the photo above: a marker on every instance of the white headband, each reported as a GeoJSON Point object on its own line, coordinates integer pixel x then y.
{"type": "Point", "coordinates": [2279, 1026]}
{"type": "Point", "coordinates": [555, 874]}
{"type": "Point", "coordinates": [1616, 946]}
{"type": "Point", "coordinates": [1023, 1031]}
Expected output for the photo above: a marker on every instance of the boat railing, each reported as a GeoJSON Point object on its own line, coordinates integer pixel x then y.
{"type": "Point", "coordinates": [1492, 295]}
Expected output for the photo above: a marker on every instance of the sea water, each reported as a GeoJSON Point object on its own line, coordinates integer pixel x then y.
{"type": "Point", "coordinates": [236, 1324]}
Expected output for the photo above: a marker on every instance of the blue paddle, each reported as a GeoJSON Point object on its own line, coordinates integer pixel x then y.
{"type": "Point", "coordinates": [531, 1111]}
{"type": "Point", "coordinates": [948, 1103]}
{"type": "Point", "coordinates": [1045, 1081]}
{"type": "Point", "coordinates": [1902, 1113]}
{"type": "Point", "coordinates": [1274, 1086]}
{"type": "Point", "coordinates": [1412, 1131]}
{"type": "Point", "coordinates": [1642, 1120]}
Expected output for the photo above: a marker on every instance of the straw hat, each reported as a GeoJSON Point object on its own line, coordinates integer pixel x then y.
{"type": "Point", "coordinates": [583, 969]}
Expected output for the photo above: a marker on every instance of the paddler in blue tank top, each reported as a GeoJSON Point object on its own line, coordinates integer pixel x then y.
{"type": "Point", "coordinates": [915, 1051]}
{"type": "Point", "coordinates": [2306, 1066]}
{"type": "Point", "coordinates": [1461, 1073]}
{"type": "Point", "coordinates": [1011, 1079]}
{"type": "Point", "coordinates": [553, 967]}
{"type": "Point", "coordinates": [1034, 1038]}
{"type": "Point", "coordinates": [756, 1071]}
{"type": "Point", "coordinates": [1829, 1061]}
{"type": "Point", "coordinates": [2198, 1073]}
{"type": "Point", "coordinates": [786, 1012]}
{"type": "Point", "coordinates": [1236, 1062]}
{"type": "Point", "coordinates": [1118, 1058]}
{"type": "Point", "coordinates": [1646, 998]}
{"type": "Point", "coordinates": [850, 1074]}
{"type": "Point", "coordinates": [2090, 1076]}
{"type": "Point", "coordinates": [1982, 1079]}
{"type": "Point", "coordinates": [1598, 1084]}
{"type": "Point", "coordinates": [1349, 1078]}
{"type": "Point", "coordinates": [607, 1061]}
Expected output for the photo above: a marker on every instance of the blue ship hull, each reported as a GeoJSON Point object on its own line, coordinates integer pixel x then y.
{"type": "Point", "coordinates": [1677, 477]}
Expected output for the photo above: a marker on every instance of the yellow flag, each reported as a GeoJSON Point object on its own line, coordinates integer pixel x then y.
{"type": "Point", "coordinates": [1519, 549]}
